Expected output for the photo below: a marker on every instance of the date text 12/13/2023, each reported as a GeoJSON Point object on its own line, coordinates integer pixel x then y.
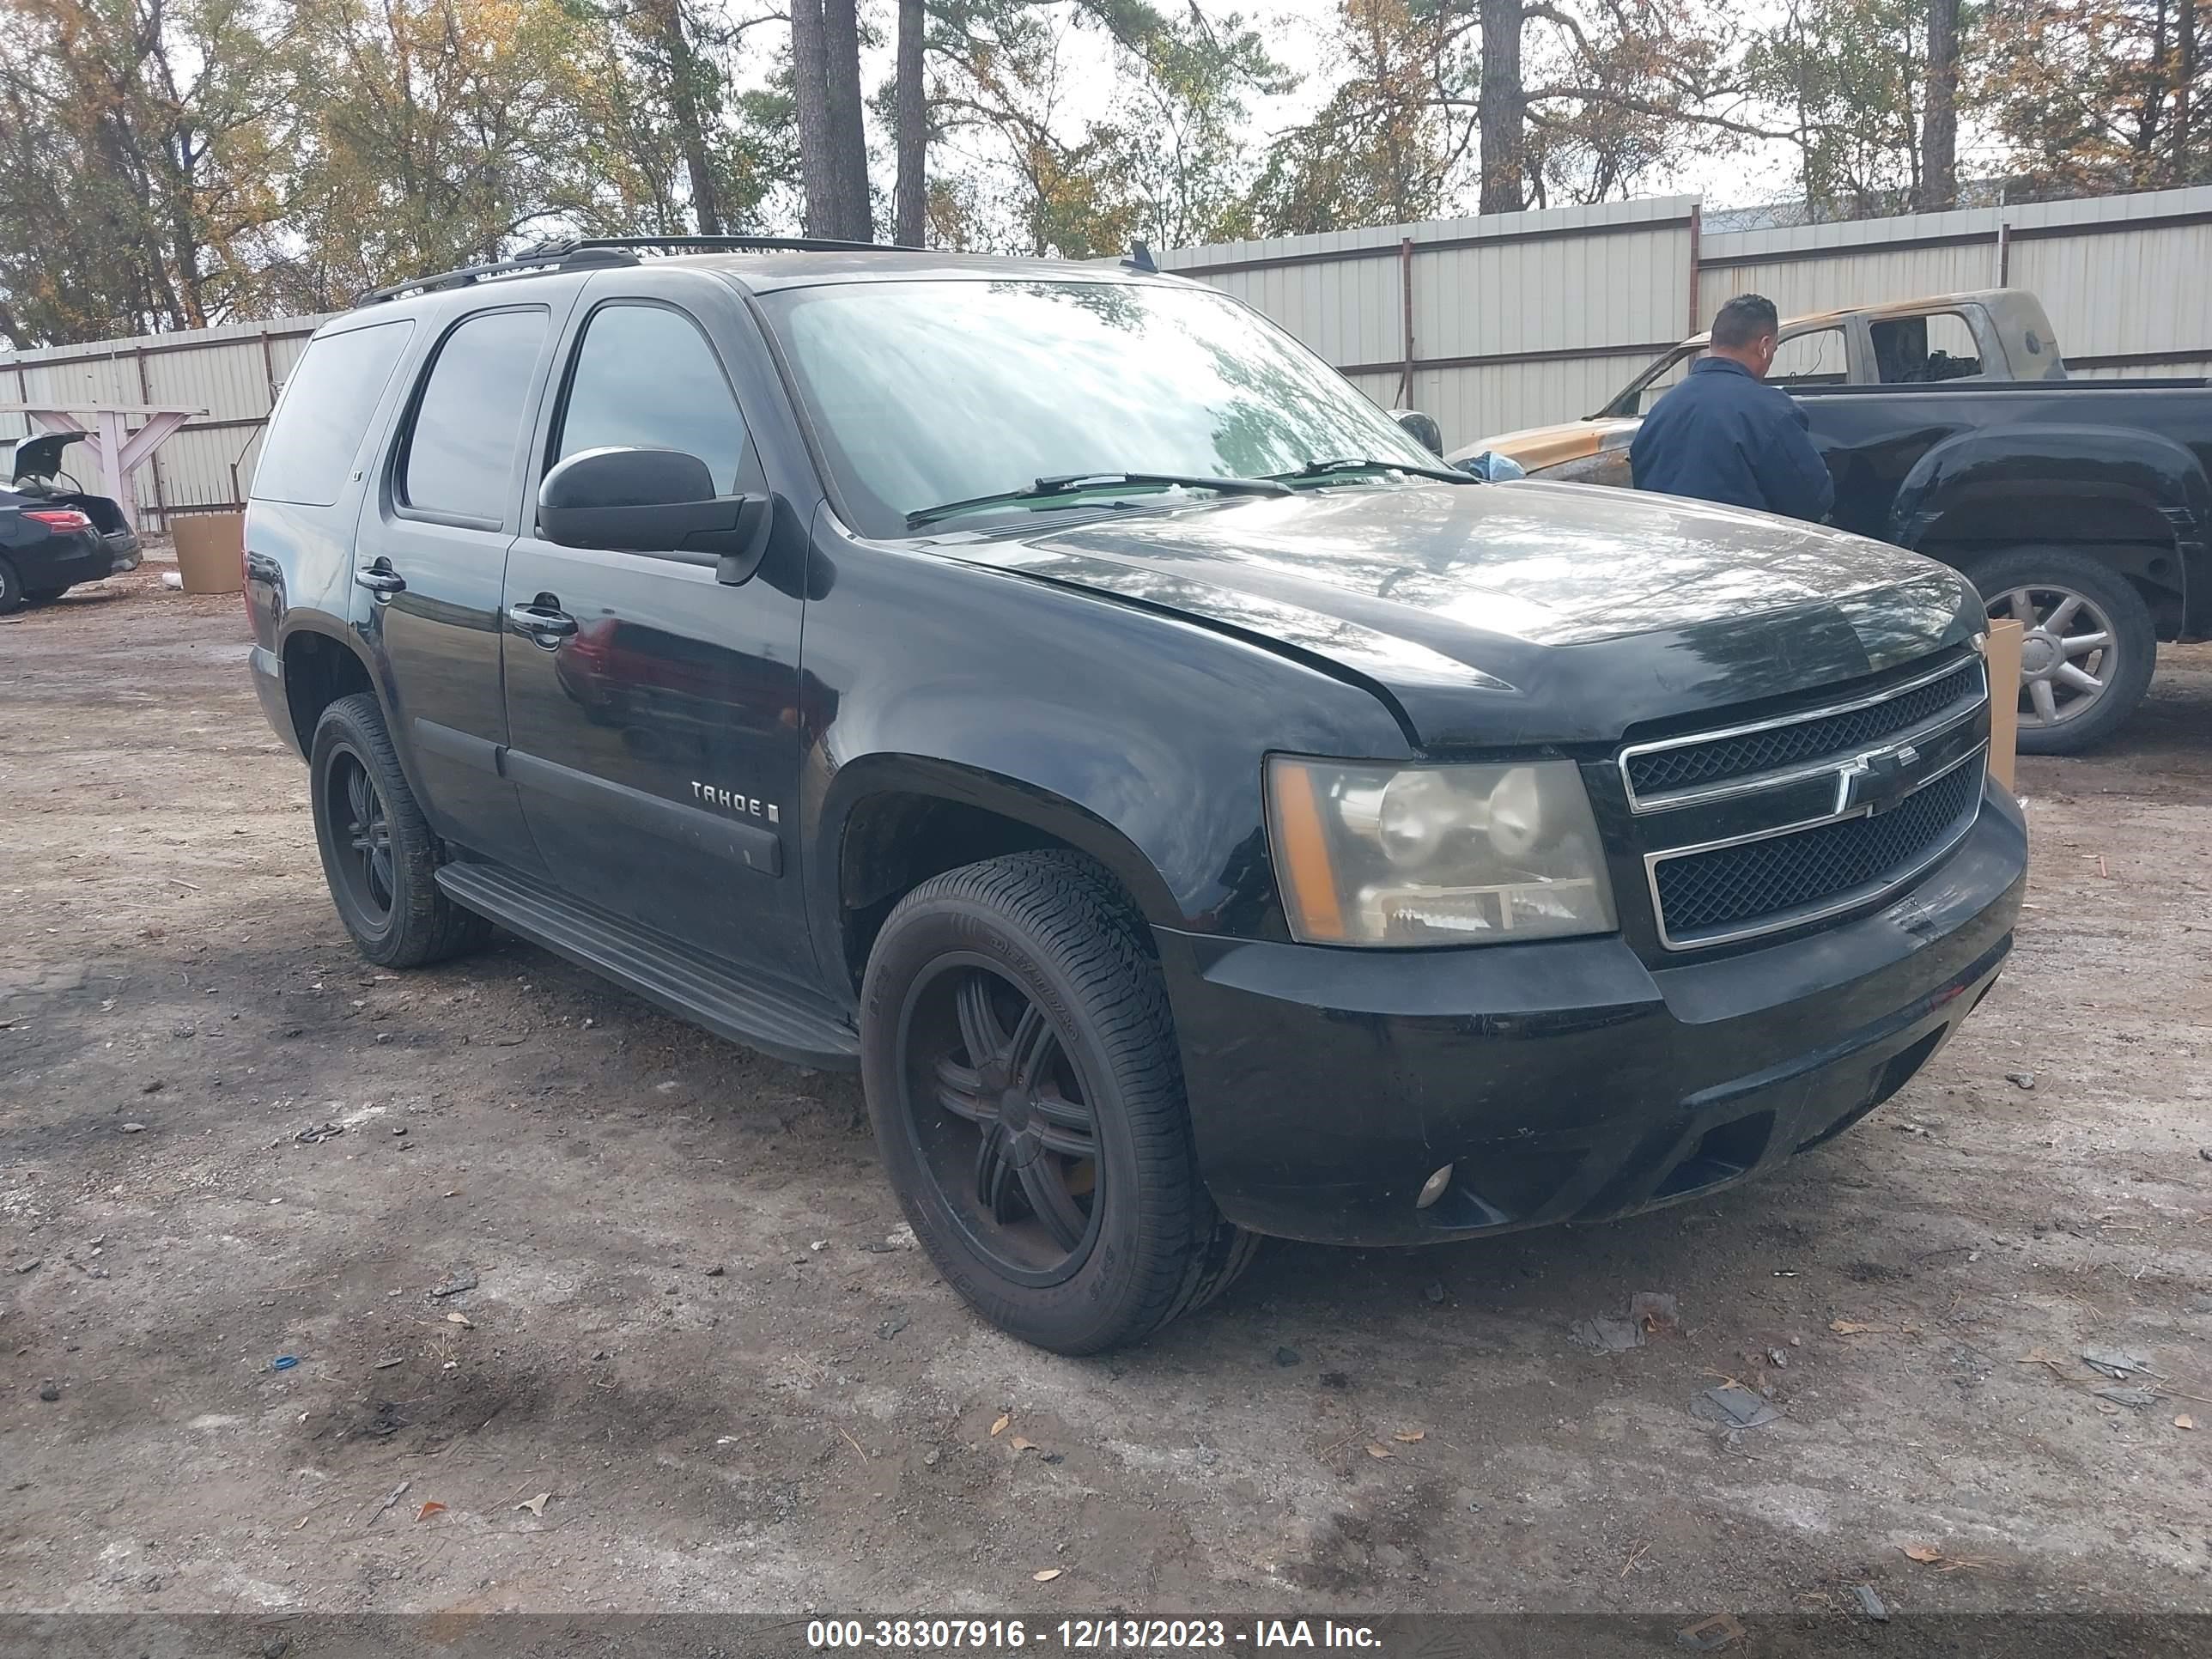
{"type": "Point", "coordinates": [1083, 1635]}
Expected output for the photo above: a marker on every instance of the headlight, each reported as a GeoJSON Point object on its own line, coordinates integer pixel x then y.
{"type": "Point", "coordinates": [1436, 854]}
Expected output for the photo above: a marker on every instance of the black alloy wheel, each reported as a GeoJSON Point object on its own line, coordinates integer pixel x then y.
{"type": "Point", "coordinates": [1019, 1057]}
{"type": "Point", "coordinates": [380, 856]}
{"type": "Point", "coordinates": [1001, 1119]}
{"type": "Point", "coordinates": [367, 832]}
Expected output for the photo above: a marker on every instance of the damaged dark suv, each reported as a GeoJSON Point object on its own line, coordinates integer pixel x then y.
{"type": "Point", "coordinates": [1051, 690]}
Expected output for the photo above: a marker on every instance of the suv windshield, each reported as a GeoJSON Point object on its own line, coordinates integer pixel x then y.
{"type": "Point", "coordinates": [936, 392]}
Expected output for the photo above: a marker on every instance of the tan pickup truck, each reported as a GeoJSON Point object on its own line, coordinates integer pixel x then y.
{"type": "Point", "coordinates": [1997, 334]}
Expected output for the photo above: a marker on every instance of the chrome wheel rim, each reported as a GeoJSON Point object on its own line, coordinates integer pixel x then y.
{"type": "Point", "coordinates": [1002, 1120]}
{"type": "Point", "coordinates": [2069, 652]}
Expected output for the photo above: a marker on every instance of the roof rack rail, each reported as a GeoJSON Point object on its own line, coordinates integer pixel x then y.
{"type": "Point", "coordinates": [736, 245]}
{"type": "Point", "coordinates": [586, 253]}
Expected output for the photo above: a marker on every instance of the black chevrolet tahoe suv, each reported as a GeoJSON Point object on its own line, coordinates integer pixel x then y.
{"type": "Point", "coordinates": [1055, 692]}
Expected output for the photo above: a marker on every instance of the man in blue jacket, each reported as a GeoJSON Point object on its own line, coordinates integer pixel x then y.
{"type": "Point", "coordinates": [1723, 435]}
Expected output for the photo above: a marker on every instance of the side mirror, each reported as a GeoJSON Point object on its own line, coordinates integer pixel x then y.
{"type": "Point", "coordinates": [653, 500]}
{"type": "Point", "coordinates": [1494, 468]}
{"type": "Point", "coordinates": [1422, 428]}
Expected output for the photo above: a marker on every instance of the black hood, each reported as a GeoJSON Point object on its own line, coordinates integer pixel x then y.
{"type": "Point", "coordinates": [41, 457]}
{"type": "Point", "coordinates": [1524, 612]}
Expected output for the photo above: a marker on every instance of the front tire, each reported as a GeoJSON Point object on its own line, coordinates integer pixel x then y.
{"type": "Point", "coordinates": [1022, 1073]}
{"type": "Point", "coordinates": [380, 856]}
{"type": "Point", "coordinates": [2087, 648]}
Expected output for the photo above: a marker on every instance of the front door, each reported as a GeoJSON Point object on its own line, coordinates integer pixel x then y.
{"type": "Point", "coordinates": [431, 552]}
{"type": "Point", "coordinates": [653, 716]}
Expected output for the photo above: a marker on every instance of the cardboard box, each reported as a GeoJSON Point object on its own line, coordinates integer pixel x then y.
{"type": "Point", "coordinates": [210, 550]}
{"type": "Point", "coordinates": [2003, 657]}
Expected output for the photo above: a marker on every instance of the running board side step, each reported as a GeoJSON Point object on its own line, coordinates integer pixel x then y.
{"type": "Point", "coordinates": [784, 1023]}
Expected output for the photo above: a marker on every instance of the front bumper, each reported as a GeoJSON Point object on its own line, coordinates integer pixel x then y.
{"type": "Point", "coordinates": [1566, 1081]}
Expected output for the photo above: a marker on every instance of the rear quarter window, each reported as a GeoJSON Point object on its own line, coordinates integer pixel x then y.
{"type": "Point", "coordinates": [325, 412]}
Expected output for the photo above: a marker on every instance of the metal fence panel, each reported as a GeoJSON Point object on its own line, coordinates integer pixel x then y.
{"type": "Point", "coordinates": [1516, 318]}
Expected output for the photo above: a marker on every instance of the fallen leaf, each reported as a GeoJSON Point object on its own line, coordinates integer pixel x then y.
{"type": "Point", "coordinates": [1923, 1553]}
{"type": "Point", "coordinates": [433, 1507]}
{"type": "Point", "coordinates": [1374, 1450]}
{"type": "Point", "coordinates": [1021, 1445]}
{"type": "Point", "coordinates": [999, 1427]}
{"type": "Point", "coordinates": [1410, 1437]}
{"type": "Point", "coordinates": [1855, 1327]}
{"type": "Point", "coordinates": [462, 1320]}
{"type": "Point", "coordinates": [2184, 1421]}
{"type": "Point", "coordinates": [1047, 1575]}
{"type": "Point", "coordinates": [535, 1505]}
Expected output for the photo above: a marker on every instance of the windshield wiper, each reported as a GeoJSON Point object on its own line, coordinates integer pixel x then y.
{"type": "Point", "coordinates": [1360, 463]}
{"type": "Point", "coordinates": [1070, 484]}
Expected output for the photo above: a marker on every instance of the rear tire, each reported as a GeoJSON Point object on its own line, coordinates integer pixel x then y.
{"type": "Point", "coordinates": [1021, 1069]}
{"type": "Point", "coordinates": [2064, 598]}
{"type": "Point", "coordinates": [380, 856]}
{"type": "Point", "coordinates": [11, 589]}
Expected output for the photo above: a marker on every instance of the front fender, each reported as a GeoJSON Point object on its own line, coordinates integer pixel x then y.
{"type": "Point", "coordinates": [1136, 736]}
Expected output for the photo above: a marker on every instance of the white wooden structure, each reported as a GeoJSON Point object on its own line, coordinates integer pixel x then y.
{"type": "Point", "coordinates": [120, 448]}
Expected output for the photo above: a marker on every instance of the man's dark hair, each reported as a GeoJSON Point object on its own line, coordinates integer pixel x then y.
{"type": "Point", "coordinates": [1743, 320]}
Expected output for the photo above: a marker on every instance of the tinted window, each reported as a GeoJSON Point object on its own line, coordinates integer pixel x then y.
{"type": "Point", "coordinates": [327, 403]}
{"type": "Point", "coordinates": [645, 377]}
{"type": "Point", "coordinates": [1814, 359]}
{"type": "Point", "coordinates": [460, 458]}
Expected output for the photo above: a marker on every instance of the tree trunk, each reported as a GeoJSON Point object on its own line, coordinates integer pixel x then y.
{"type": "Point", "coordinates": [684, 105]}
{"type": "Point", "coordinates": [810, 76]}
{"type": "Point", "coordinates": [1939, 131]}
{"type": "Point", "coordinates": [2184, 86]}
{"type": "Point", "coordinates": [913, 128]}
{"type": "Point", "coordinates": [841, 37]}
{"type": "Point", "coordinates": [1503, 110]}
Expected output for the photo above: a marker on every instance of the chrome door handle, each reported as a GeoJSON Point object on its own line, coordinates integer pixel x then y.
{"type": "Point", "coordinates": [541, 624]}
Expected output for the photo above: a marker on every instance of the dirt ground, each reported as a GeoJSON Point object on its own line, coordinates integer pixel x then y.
{"type": "Point", "coordinates": [694, 1328]}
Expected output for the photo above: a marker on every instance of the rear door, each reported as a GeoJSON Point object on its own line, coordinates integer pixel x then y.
{"type": "Point", "coordinates": [431, 552]}
{"type": "Point", "coordinates": [653, 717]}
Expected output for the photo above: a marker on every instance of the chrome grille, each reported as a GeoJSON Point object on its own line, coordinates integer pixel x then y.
{"type": "Point", "coordinates": [1728, 885]}
{"type": "Point", "coordinates": [1768, 824]}
{"type": "Point", "coordinates": [1656, 771]}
